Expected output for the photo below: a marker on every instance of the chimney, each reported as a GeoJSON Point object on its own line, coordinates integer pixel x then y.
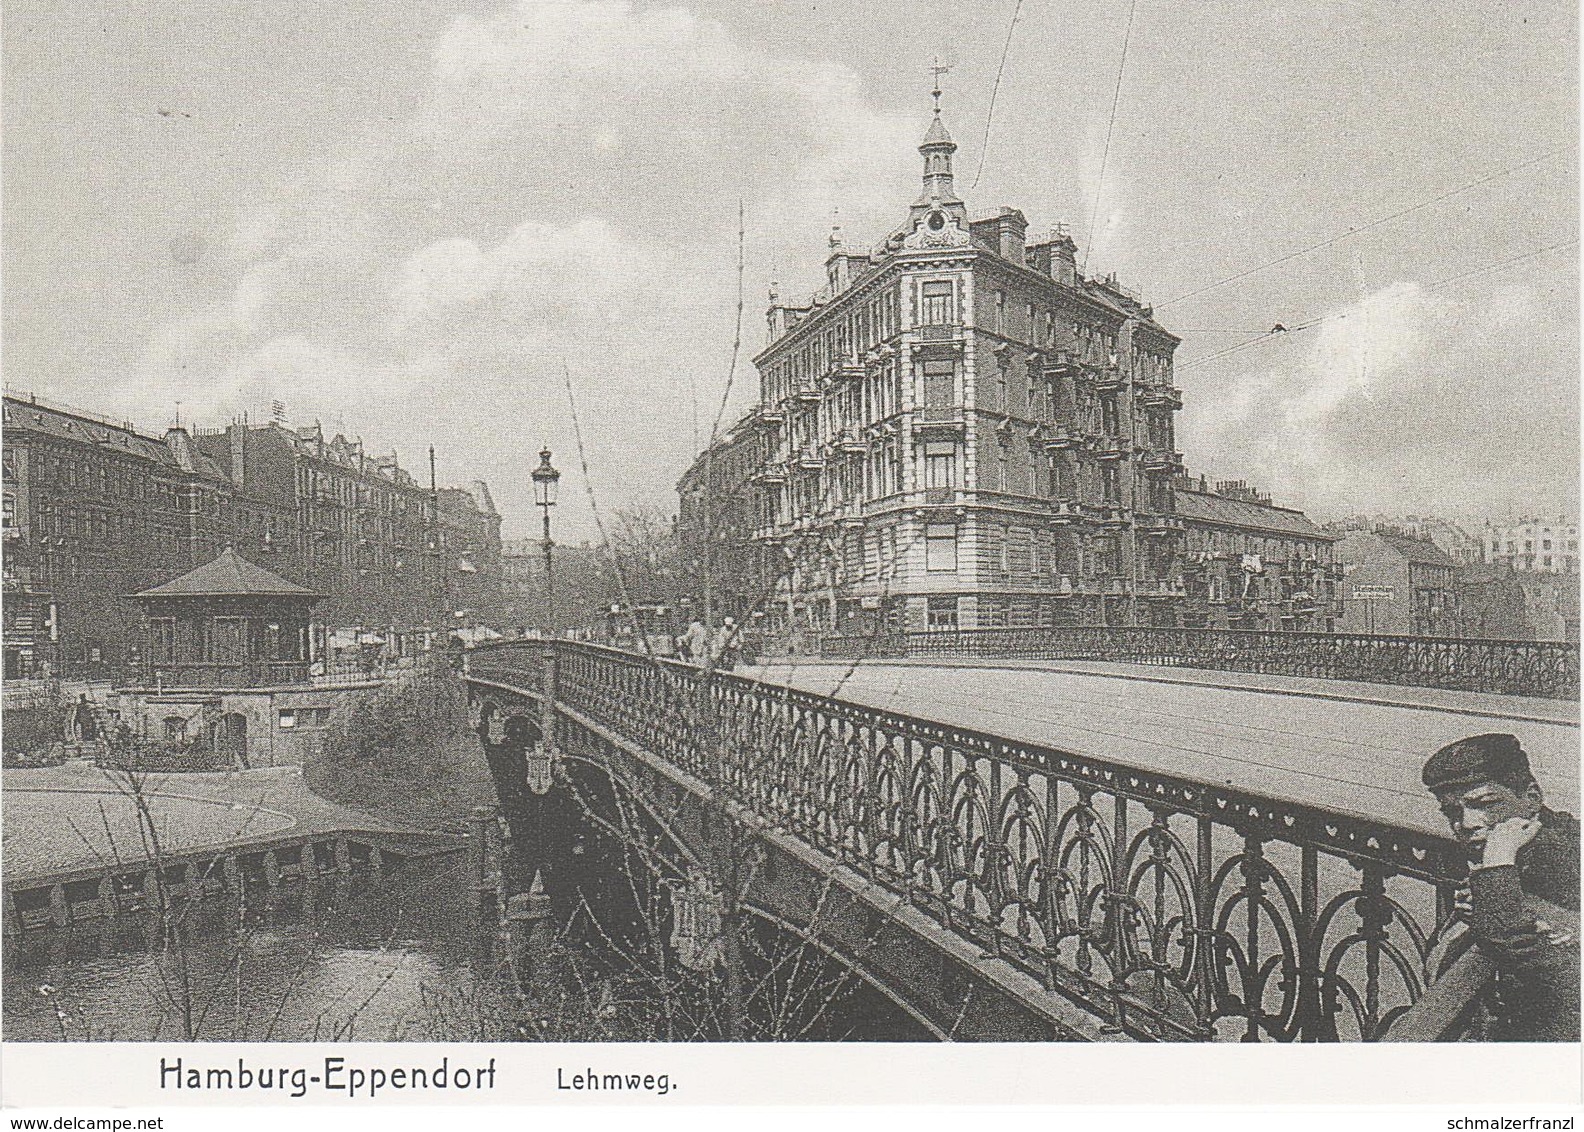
{"type": "Point", "coordinates": [1011, 228]}
{"type": "Point", "coordinates": [237, 435]}
{"type": "Point", "coordinates": [1056, 257]}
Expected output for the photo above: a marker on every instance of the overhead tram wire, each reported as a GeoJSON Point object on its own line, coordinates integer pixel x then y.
{"type": "Point", "coordinates": [984, 146]}
{"type": "Point", "coordinates": [1279, 330]}
{"type": "Point", "coordinates": [1365, 227]}
{"type": "Point", "coordinates": [1105, 154]}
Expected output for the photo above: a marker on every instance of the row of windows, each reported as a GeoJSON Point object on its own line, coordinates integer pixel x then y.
{"type": "Point", "coordinates": [1528, 545]}
{"type": "Point", "coordinates": [861, 328]}
{"type": "Point", "coordinates": [1094, 344]}
{"type": "Point", "coordinates": [291, 718]}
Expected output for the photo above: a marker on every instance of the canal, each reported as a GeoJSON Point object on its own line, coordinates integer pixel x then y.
{"type": "Point", "coordinates": [393, 957]}
{"type": "Point", "coordinates": [404, 955]}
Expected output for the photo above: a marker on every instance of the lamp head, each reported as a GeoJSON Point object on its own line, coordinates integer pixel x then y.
{"type": "Point", "coordinates": [546, 480]}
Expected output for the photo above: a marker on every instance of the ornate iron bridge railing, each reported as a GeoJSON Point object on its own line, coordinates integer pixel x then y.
{"type": "Point", "coordinates": [1519, 668]}
{"type": "Point", "coordinates": [1175, 909]}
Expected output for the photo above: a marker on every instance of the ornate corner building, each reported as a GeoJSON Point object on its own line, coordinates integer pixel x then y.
{"type": "Point", "coordinates": [959, 430]}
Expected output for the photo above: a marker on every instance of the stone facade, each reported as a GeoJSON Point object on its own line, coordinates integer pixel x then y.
{"type": "Point", "coordinates": [1394, 583]}
{"type": "Point", "coordinates": [1537, 546]}
{"type": "Point", "coordinates": [96, 510]}
{"type": "Point", "coordinates": [1251, 565]}
{"type": "Point", "coordinates": [960, 430]}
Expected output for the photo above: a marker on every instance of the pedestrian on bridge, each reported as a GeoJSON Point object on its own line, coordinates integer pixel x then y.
{"type": "Point", "coordinates": [696, 642]}
{"type": "Point", "coordinates": [723, 651]}
{"type": "Point", "coordinates": [1522, 900]}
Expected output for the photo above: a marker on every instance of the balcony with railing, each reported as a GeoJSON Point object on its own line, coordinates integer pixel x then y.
{"type": "Point", "coordinates": [939, 332]}
{"type": "Point", "coordinates": [170, 674]}
{"type": "Point", "coordinates": [1113, 448]}
{"type": "Point", "coordinates": [1162, 462]}
{"type": "Point", "coordinates": [1159, 396]}
{"type": "Point", "coordinates": [1060, 437]}
{"type": "Point", "coordinates": [766, 416]}
{"type": "Point", "coordinates": [1158, 589]}
{"type": "Point", "coordinates": [770, 474]}
{"type": "Point", "coordinates": [939, 418]}
{"type": "Point", "coordinates": [846, 369]}
{"type": "Point", "coordinates": [850, 442]}
{"type": "Point", "coordinates": [1061, 363]}
{"type": "Point", "coordinates": [1158, 524]}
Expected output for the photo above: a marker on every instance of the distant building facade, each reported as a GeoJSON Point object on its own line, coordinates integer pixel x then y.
{"type": "Point", "coordinates": [1500, 602]}
{"type": "Point", "coordinates": [1533, 546]}
{"type": "Point", "coordinates": [960, 430]}
{"type": "Point", "coordinates": [1492, 604]}
{"type": "Point", "coordinates": [1395, 583]}
{"type": "Point", "coordinates": [585, 586]}
{"type": "Point", "coordinates": [1251, 565]}
{"type": "Point", "coordinates": [1462, 547]}
{"type": "Point", "coordinates": [725, 513]}
{"type": "Point", "coordinates": [96, 511]}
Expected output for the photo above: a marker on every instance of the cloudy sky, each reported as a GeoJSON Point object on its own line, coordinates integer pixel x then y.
{"type": "Point", "coordinates": [403, 218]}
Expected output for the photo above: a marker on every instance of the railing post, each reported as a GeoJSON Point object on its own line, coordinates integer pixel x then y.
{"type": "Point", "coordinates": [1311, 1020]}
{"type": "Point", "coordinates": [1206, 942]}
{"type": "Point", "coordinates": [549, 682]}
{"type": "Point", "coordinates": [484, 883]}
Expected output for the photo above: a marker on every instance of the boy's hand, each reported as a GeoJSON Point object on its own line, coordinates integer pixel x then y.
{"type": "Point", "coordinates": [1505, 839]}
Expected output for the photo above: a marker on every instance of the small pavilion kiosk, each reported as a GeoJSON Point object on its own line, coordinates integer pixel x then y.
{"type": "Point", "coordinates": [225, 667]}
{"type": "Point", "coordinates": [227, 624]}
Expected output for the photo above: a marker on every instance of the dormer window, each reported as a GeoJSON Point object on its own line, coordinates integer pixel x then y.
{"type": "Point", "coordinates": [936, 220]}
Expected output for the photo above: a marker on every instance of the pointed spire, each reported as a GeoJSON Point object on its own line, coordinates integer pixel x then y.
{"type": "Point", "coordinates": [937, 149]}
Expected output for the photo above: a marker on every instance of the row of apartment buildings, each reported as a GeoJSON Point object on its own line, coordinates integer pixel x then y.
{"type": "Point", "coordinates": [961, 429]}
{"type": "Point", "coordinates": [95, 510]}
{"type": "Point", "coordinates": [1526, 545]}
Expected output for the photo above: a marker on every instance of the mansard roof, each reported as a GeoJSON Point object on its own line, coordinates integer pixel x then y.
{"type": "Point", "coordinates": [1205, 507]}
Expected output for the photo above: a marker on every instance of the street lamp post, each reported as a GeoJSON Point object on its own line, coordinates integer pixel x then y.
{"type": "Point", "coordinates": [546, 480]}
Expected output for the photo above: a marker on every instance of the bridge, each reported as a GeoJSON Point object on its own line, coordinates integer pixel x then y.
{"type": "Point", "coordinates": [1022, 850]}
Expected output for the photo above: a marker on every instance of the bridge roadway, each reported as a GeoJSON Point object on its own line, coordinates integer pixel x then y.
{"type": "Point", "coordinates": [1055, 901]}
{"type": "Point", "coordinates": [1349, 747]}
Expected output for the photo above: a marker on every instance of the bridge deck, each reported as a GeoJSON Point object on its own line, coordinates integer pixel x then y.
{"type": "Point", "coordinates": [1349, 747]}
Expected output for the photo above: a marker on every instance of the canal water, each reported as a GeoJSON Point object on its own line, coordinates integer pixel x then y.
{"type": "Point", "coordinates": [397, 956]}
{"type": "Point", "coordinates": [393, 957]}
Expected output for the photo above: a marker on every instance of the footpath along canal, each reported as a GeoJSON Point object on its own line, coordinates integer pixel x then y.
{"type": "Point", "coordinates": [287, 917]}
{"type": "Point", "coordinates": [347, 942]}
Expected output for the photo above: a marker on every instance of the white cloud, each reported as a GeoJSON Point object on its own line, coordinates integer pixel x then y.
{"type": "Point", "coordinates": [1366, 345]}
{"type": "Point", "coordinates": [1390, 398]}
{"type": "Point", "coordinates": [566, 189]}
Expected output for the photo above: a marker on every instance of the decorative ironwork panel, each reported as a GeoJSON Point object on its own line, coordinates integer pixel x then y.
{"type": "Point", "coordinates": [1175, 909]}
{"type": "Point", "coordinates": [1520, 668]}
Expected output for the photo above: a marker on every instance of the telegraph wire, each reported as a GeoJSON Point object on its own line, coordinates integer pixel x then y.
{"type": "Point", "coordinates": [1500, 263]}
{"type": "Point", "coordinates": [1366, 226]}
{"type": "Point", "coordinates": [1105, 156]}
{"type": "Point", "coordinates": [984, 146]}
{"type": "Point", "coordinates": [1279, 330]}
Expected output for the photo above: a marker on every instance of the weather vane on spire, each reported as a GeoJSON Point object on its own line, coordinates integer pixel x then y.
{"type": "Point", "coordinates": [937, 70]}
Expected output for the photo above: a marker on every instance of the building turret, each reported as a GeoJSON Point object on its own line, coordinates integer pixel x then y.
{"type": "Point", "coordinates": [937, 149]}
